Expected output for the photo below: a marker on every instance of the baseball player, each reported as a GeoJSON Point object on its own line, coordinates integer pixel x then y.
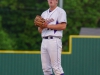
{"type": "Point", "coordinates": [52, 32]}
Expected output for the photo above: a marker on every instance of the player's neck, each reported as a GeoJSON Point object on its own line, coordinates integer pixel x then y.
{"type": "Point", "coordinates": [52, 8]}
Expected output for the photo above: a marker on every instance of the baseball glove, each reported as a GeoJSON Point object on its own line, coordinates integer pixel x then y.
{"type": "Point", "coordinates": [39, 21]}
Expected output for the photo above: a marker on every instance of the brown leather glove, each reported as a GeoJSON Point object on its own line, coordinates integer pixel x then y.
{"type": "Point", "coordinates": [39, 21]}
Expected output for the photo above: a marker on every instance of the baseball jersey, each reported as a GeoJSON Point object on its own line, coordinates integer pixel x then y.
{"type": "Point", "coordinates": [58, 15]}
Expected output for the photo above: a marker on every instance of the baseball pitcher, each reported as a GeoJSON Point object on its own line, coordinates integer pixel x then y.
{"type": "Point", "coordinates": [51, 24]}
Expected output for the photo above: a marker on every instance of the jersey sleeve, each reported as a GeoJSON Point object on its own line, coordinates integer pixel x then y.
{"type": "Point", "coordinates": [42, 15]}
{"type": "Point", "coordinates": [62, 17]}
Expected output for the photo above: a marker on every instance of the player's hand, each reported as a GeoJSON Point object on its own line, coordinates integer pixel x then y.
{"type": "Point", "coordinates": [44, 25]}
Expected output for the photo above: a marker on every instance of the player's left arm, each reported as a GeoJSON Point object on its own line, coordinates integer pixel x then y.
{"type": "Point", "coordinates": [60, 26]}
{"type": "Point", "coordinates": [40, 29]}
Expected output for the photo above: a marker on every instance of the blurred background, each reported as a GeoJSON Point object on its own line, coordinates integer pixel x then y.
{"type": "Point", "coordinates": [17, 29]}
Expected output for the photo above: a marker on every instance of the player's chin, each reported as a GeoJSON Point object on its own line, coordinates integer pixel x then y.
{"type": "Point", "coordinates": [51, 5]}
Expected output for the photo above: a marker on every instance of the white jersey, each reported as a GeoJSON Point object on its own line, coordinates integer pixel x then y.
{"type": "Point", "coordinates": [58, 15]}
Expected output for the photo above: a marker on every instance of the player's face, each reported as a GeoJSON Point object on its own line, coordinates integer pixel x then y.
{"type": "Point", "coordinates": [52, 3]}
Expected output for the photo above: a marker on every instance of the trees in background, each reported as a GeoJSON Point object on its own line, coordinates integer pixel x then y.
{"type": "Point", "coordinates": [80, 13]}
{"type": "Point", "coordinates": [17, 30]}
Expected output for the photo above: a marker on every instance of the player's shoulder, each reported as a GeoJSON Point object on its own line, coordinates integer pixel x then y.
{"type": "Point", "coordinates": [59, 9]}
{"type": "Point", "coordinates": [44, 12]}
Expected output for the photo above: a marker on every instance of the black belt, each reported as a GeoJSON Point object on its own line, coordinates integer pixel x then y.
{"type": "Point", "coordinates": [48, 37]}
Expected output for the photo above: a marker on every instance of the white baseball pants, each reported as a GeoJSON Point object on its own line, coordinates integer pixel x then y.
{"type": "Point", "coordinates": [51, 56]}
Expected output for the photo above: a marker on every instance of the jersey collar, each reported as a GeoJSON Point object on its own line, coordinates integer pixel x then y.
{"type": "Point", "coordinates": [53, 10]}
